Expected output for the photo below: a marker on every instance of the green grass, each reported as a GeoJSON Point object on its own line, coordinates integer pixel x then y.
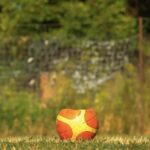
{"type": "Point", "coordinates": [101, 142]}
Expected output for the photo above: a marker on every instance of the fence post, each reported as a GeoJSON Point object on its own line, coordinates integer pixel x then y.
{"type": "Point", "coordinates": [141, 75]}
{"type": "Point", "coordinates": [47, 85]}
{"type": "Point", "coordinates": [141, 51]}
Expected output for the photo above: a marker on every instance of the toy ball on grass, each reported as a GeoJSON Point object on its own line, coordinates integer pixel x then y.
{"type": "Point", "coordinates": [76, 124]}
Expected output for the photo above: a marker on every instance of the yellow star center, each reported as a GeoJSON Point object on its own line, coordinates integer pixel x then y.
{"type": "Point", "coordinates": [78, 124]}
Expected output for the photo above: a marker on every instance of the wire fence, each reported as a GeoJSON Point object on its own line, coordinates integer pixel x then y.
{"type": "Point", "coordinates": [88, 64]}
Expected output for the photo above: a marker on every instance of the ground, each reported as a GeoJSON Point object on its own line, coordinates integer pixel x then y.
{"type": "Point", "coordinates": [99, 143]}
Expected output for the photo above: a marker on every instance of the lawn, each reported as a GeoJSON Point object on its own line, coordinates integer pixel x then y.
{"type": "Point", "coordinates": [101, 142]}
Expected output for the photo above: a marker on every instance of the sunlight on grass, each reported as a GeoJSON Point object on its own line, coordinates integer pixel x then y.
{"type": "Point", "coordinates": [101, 142]}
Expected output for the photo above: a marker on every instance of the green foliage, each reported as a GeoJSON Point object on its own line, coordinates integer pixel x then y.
{"type": "Point", "coordinates": [116, 104]}
{"type": "Point", "coordinates": [21, 111]}
{"type": "Point", "coordinates": [75, 19]}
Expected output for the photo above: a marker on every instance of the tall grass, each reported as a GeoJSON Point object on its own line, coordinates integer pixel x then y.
{"type": "Point", "coordinates": [22, 112]}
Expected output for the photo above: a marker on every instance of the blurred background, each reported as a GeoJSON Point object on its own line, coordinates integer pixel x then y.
{"type": "Point", "coordinates": [76, 54]}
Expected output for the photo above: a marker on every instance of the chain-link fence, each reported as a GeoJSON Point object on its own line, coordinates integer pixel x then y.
{"type": "Point", "coordinates": [87, 64]}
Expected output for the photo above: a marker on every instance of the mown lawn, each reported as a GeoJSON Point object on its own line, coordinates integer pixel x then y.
{"type": "Point", "coordinates": [101, 142]}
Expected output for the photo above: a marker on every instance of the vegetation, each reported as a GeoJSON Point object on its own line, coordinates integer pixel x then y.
{"type": "Point", "coordinates": [101, 142]}
{"type": "Point", "coordinates": [23, 112]}
{"type": "Point", "coordinates": [65, 19]}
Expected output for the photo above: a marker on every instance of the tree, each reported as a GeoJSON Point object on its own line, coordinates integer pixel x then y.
{"type": "Point", "coordinates": [76, 19]}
